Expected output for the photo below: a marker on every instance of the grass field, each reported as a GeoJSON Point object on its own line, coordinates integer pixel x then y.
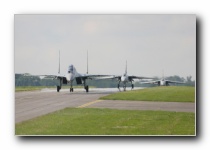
{"type": "Point", "coordinates": [92, 121]}
{"type": "Point", "coordinates": [163, 93]}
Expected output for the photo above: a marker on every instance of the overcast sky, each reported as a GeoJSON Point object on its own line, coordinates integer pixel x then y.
{"type": "Point", "coordinates": [149, 43]}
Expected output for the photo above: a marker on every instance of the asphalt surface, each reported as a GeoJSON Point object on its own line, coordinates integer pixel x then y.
{"type": "Point", "coordinates": [29, 105]}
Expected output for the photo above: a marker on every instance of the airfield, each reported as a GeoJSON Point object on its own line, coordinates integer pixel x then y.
{"type": "Point", "coordinates": [29, 105]}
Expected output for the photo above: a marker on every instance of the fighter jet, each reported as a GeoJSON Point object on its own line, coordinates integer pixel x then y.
{"type": "Point", "coordinates": [72, 75]}
{"type": "Point", "coordinates": [162, 82]}
{"type": "Point", "coordinates": [125, 78]}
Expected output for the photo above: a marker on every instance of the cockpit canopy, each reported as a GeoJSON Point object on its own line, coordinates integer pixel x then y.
{"type": "Point", "coordinates": [70, 69]}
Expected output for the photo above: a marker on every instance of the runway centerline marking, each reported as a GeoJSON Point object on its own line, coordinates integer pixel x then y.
{"type": "Point", "coordinates": [90, 103]}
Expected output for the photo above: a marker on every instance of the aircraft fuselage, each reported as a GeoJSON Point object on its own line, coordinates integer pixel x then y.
{"type": "Point", "coordinates": [72, 74]}
{"type": "Point", "coordinates": [162, 82]}
{"type": "Point", "coordinates": [124, 79]}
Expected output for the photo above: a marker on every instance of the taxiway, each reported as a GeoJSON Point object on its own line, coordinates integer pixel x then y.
{"type": "Point", "coordinates": [29, 105]}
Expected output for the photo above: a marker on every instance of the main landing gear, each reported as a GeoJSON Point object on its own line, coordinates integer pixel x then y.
{"type": "Point", "coordinates": [132, 86]}
{"type": "Point", "coordinates": [58, 88]}
{"type": "Point", "coordinates": [118, 86]}
{"type": "Point", "coordinates": [86, 88]}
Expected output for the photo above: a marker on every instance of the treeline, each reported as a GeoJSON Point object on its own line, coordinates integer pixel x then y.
{"type": "Point", "coordinates": [29, 80]}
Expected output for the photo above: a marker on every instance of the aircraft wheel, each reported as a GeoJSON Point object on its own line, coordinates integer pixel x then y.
{"type": "Point", "coordinates": [87, 88]}
{"type": "Point", "coordinates": [71, 90]}
{"type": "Point", "coordinates": [132, 86]}
{"type": "Point", "coordinates": [58, 88]}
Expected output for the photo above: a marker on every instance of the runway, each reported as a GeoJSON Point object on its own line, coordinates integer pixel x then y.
{"type": "Point", "coordinates": [29, 105]}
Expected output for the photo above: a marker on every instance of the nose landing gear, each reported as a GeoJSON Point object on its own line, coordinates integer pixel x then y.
{"type": "Point", "coordinates": [71, 90]}
{"type": "Point", "coordinates": [124, 87]}
{"type": "Point", "coordinates": [132, 86]}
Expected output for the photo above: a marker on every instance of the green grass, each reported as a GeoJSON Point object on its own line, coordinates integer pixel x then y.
{"type": "Point", "coordinates": [92, 121]}
{"type": "Point", "coordinates": [35, 88]}
{"type": "Point", "coordinates": [166, 93]}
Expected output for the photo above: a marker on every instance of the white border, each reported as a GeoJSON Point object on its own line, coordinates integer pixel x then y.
{"type": "Point", "coordinates": [10, 7]}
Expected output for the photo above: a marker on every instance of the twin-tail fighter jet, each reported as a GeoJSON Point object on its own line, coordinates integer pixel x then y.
{"type": "Point", "coordinates": [162, 82]}
{"type": "Point", "coordinates": [125, 78]}
{"type": "Point", "coordinates": [72, 75]}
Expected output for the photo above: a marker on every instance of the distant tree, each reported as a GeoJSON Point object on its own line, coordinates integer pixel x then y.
{"type": "Point", "coordinates": [175, 78]}
{"type": "Point", "coordinates": [189, 81]}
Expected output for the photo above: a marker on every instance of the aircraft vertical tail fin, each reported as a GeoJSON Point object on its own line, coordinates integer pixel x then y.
{"type": "Point", "coordinates": [87, 62]}
{"type": "Point", "coordinates": [59, 64]}
{"type": "Point", "coordinates": [126, 68]}
{"type": "Point", "coordinates": [163, 75]}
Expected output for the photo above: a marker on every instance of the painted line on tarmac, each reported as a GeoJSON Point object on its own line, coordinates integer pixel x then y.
{"type": "Point", "coordinates": [90, 103]}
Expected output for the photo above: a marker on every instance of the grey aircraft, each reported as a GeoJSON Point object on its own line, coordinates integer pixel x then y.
{"type": "Point", "coordinates": [72, 75]}
{"type": "Point", "coordinates": [125, 78]}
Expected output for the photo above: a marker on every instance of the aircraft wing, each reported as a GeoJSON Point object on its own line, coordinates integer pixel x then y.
{"type": "Point", "coordinates": [150, 82]}
{"type": "Point", "coordinates": [96, 77]}
{"type": "Point", "coordinates": [118, 77]}
{"type": "Point", "coordinates": [108, 77]}
{"type": "Point", "coordinates": [58, 76]}
{"type": "Point", "coordinates": [138, 77]}
{"type": "Point", "coordinates": [174, 82]}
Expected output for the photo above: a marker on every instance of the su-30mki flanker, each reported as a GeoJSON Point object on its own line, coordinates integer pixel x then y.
{"type": "Point", "coordinates": [72, 75]}
{"type": "Point", "coordinates": [125, 78]}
